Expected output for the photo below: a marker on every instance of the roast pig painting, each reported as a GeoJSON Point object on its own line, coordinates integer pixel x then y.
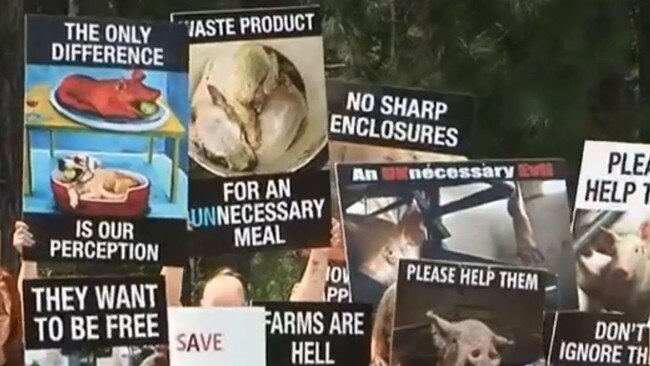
{"type": "Point", "coordinates": [96, 145]}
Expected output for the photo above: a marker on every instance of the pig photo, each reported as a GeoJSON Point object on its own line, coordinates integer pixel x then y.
{"type": "Point", "coordinates": [525, 223]}
{"type": "Point", "coordinates": [613, 261]}
{"type": "Point", "coordinates": [347, 152]}
{"type": "Point", "coordinates": [460, 325]}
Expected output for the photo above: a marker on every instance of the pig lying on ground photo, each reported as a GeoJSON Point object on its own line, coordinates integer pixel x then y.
{"type": "Point", "coordinates": [613, 266]}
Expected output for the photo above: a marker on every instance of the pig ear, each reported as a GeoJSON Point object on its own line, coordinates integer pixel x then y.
{"type": "Point", "coordinates": [644, 230]}
{"type": "Point", "coordinates": [217, 98]}
{"type": "Point", "coordinates": [411, 226]}
{"type": "Point", "coordinates": [443, 332]}
{"type": "Point", "coordinates": [440, 325]}
{"type": "Point", "coordinates": [138, 75]}
{"type": "Point", "coordinates": [501, 341]}
{"type": "Point", "coordinates": [608, 238]}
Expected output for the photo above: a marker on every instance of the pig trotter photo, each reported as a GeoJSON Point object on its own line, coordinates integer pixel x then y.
{"type": "Point", "coordinates": [80, 184]}
{"type": "Point", "coordinates": [613, 262]}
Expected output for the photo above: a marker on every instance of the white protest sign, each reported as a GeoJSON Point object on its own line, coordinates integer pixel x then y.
{"type": "Point", "coordinates": [217, 336]}
{"type": "Point", "coordinates": [614, 176]}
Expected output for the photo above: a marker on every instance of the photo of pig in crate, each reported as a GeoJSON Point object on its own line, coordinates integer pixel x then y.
{"type": "Point", "coordinates": [613, 261]}
{"type": "Point", "coordinates": [455, 313]}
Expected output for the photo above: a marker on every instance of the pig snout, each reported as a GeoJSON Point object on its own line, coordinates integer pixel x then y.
{"type": "Point", "coordinates": [482, 357]}
{"type": "Point", "coordinates": [621, 274]}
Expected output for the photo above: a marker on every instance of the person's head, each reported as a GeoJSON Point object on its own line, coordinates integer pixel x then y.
{"type": "Point", "coordinates": [225, 288]}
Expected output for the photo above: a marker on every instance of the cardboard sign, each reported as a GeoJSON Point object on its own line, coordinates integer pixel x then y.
{"type": "Point", "coordinates": [375, 124]}
{"type": "Point", "coordinates": [301, 334]}
{"type": "Point", "coordinates": [582, 339]}
{"type": "Point", "coordinates": [105, 123]}
{"type": "Point", "coordinates": [258, 96]}
{"type": "Point", "coordinates": [610, 229]}
{"type": "Point", "coordinates": [497, 211]}
{"type": "Point", "coordinates": [442, 306]}
{"type": "Point", "coordinates": [80, 313]}
{"type": "Point", "coordinates": [202, 336]}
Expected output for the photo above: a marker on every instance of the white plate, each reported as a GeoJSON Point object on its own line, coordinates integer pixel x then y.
{"type": "Point", "coordinates": [119, 125]}
{"type": "Point", "coordinates": [218, 59]}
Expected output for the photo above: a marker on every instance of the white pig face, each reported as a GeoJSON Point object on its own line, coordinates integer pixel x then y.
{"type": "Point", "coordinates": [466, 343]}
{"type": "Point", "coordinates": [629, 258]}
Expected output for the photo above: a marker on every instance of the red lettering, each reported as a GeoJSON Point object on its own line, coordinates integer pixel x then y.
{"type": "Point", "coordinates": [199, 342]}
{"type": "Point", "coordinates": [542, 170]}
{"type": "Point", "coordinates": [394, 173]}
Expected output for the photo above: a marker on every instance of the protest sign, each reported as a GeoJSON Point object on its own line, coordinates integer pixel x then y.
{"type": "Point", "coordinates": [105, 123]}
{"type": "Point", "coordinates": [455, 313]}
{"type": "Point", "coordinates": [258, 95]}
{"type": "Point", "coordinates": [495, 211]}
{"type": "Point", "coordinates": [375, 123]}
{"type": "Point", "coordinates": [203, 336]}
{"type": "Point", "coordinates": [301, 333]}
{"type": "Point", "coordinates": [78, 313]}
{"type": "Point", "coordinates": [610, 228]}
{"type": "Point", "coordinates": [401, 118]}
{"type": "Point", "coordinates": [577, 338]}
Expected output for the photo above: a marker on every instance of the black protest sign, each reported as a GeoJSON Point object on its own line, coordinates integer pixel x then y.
{"type": "Point", "coordinates": [337, 285]}
{"type": "Point", "coordinates": [65, 239]}
{"type": "Point", "coordinates": [442, 306]}
{"type": "Point", "coordinates": [247, 24]}
{"type": "Point", "coordinates": [122, 43]}
{"type": "Point", "coordinates": [113, 186]}
{"type": "Point", "coordinates": [261, 212]}
{"type": "Point", "coordinates": [76, 313]}
{"type": "Point", "coordinates": [300, 334]}
{"type": "Point", "coordinates": [597, 339]}
{"type": "Point", "coordinates": [400, 118]}
{"type": "Point", "coordinates": [466, 275]}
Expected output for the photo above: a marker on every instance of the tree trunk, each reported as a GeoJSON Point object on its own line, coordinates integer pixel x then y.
{"type": "Point", "coordinates": [11, 124]}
